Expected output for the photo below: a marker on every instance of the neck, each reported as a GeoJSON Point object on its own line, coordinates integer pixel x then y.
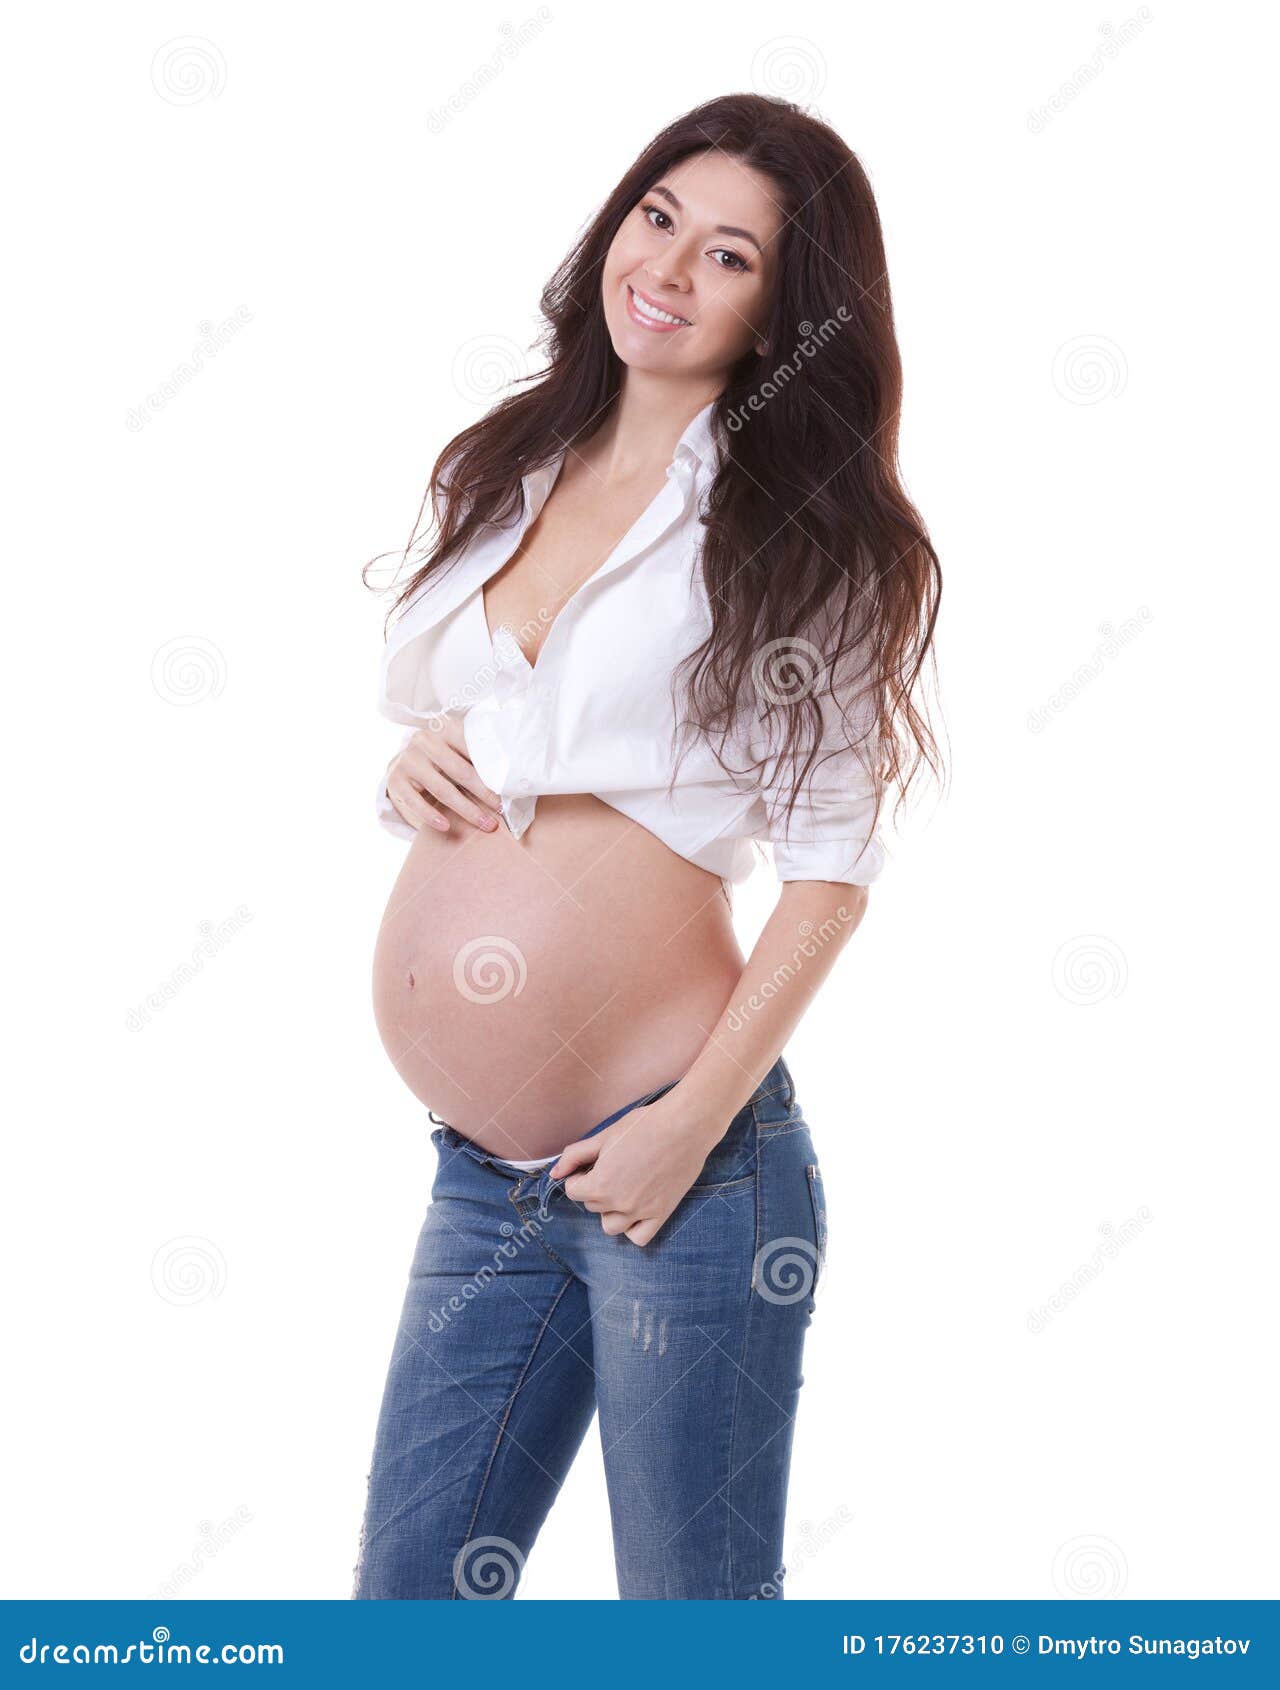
{"type": "Point", "coordinates": [639, 435]}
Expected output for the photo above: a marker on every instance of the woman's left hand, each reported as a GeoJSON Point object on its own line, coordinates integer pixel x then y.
{"type": "Point", "coordinates": [639, 1169]}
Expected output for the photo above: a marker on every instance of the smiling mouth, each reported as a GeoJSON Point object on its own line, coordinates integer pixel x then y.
{"type": "Point", "coordinates": [653, 313]}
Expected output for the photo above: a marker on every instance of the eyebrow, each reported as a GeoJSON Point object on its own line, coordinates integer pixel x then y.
{"type": "Point", "coordinates": [720, 228]}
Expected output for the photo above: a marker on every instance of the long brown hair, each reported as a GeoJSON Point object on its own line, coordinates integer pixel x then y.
{"type": "Point", "coordinates": [816, 564]}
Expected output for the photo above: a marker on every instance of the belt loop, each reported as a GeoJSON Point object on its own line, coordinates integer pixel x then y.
{"type": "Point", "coordinates": [791, 1084]}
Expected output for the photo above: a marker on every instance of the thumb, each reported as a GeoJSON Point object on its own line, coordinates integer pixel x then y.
{"type": "Point", "coordinates": [581, 1152]}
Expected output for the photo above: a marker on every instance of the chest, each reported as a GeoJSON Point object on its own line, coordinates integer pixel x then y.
{"type": "Point", "coordinates": [580, 524]}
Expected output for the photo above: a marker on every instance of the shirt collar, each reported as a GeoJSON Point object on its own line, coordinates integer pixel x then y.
{"type": "Point", "coordinates": [697, 450]}
{"type": "Point", "coordinates": [698, 443]}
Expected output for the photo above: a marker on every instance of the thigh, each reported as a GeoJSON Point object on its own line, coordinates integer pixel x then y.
{"type": "Point", "coordinates": [488, 1395]}
{"type": "Point", "coordinates": [698, 1339]}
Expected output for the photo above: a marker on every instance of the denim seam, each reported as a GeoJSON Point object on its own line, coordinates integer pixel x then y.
{"type": "Point", "coordinates": [532, 1220]}
{"type": "Point", "coordinates": [493, 1454]}
{"type": "Point", "coordinates": [780, 1129]}
{"type": "Point", "coordinates": [771, 1126]}
{"type": "Point", "coordinates": [725, 1185]}
{"type": "Point", "coordinates": [741, 1370]}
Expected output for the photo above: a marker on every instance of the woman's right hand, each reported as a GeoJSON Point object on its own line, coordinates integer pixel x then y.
{"type": "Point", "coordinates": [432, 773]}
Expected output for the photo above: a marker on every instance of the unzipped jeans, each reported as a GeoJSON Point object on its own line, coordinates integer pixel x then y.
{"type": "Point", "coordinates": [523, 1318]}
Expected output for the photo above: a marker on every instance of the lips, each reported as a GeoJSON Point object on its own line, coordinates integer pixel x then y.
{"type": "Point", "coordinates": [652, 316]}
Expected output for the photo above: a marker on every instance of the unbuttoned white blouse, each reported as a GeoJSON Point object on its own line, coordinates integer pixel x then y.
{"type": "Point", "coordinates": [594, 712]}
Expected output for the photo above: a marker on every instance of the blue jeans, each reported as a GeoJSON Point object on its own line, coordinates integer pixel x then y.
{"type": "Point", "coordinates": [523, 1318]}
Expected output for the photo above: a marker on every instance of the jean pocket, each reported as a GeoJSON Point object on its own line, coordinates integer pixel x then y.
{"type": "Point", "coordinates": [774, 1112]}
{"type": "Point", "coordinates": [818, 1202]}
{"type": "Point", "coordinates": [732, 1160]}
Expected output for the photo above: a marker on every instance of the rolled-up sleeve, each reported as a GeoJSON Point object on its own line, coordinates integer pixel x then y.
{"type": "Point", "coordinates": [832, 833]}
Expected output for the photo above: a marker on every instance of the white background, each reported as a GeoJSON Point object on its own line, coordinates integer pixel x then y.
{"type": "Point", "coordinates": [1056, 1016]}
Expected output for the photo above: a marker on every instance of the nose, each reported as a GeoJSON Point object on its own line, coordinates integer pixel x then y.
{"type": "Point", "coordinates": [671, 271]}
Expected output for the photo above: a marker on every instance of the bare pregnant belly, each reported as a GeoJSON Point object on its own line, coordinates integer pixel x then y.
{"type": "Point", "coordinates": [525, 989]}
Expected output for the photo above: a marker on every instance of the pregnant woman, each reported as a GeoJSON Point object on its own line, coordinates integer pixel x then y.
{"type": "Point", "coordinates": [673, 607]}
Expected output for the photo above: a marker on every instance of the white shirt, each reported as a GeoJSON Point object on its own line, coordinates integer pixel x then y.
{"type": "Point", "coordinates": [594, 712]}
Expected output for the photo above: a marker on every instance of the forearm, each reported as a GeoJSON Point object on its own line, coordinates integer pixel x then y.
{"type": "Point", "coordinates": [810, 925]}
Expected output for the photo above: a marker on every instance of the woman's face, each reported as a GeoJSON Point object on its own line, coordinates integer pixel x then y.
{"type": "Point", "coordinates": [698, 247]}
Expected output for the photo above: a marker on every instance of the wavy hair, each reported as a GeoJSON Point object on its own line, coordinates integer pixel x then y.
{"type": "Point", "coordinates": [815, 562]}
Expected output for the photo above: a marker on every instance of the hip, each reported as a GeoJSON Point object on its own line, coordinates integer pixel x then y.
{"type": "Point", "coordinates": [753, 1222]}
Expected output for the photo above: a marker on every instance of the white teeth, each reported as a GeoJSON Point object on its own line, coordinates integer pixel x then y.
{"type": "Point", "coordinates": [647, 310]}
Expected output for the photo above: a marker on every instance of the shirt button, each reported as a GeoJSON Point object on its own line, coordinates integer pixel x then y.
{"type": "Point", "coordinates": [524, 786]}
